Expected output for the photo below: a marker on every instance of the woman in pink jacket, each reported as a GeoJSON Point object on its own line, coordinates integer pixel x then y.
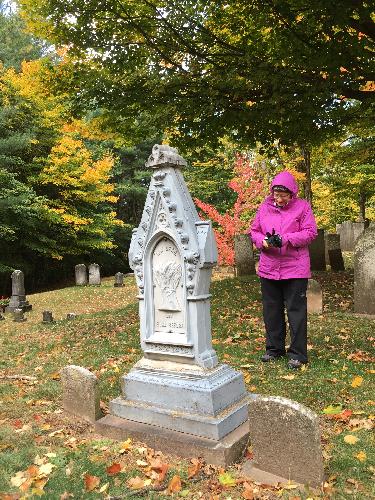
{"type": "Point", "coordinates": [283, 228]}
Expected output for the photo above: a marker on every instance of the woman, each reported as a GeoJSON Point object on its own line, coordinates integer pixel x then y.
{"type": "Point", "coordinates": [283, 228]}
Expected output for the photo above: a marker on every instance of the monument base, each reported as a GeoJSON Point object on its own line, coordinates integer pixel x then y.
{"type": "Point", "coordinates": [228, 450]}
{"type": "Point", "coordinates": [25, 307]}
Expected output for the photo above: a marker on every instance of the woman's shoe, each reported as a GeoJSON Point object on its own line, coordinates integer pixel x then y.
{"type": "Point", "coordinates": [294, 364]}
{"type": "Point", "coordinates": [268, 357]}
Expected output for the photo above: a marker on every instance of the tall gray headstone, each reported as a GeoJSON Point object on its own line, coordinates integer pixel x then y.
{"type": "Point", "coordinates": [18, 298]}
{"type": "Point", "coordinates": [364, 273]}
{"type": "Point", "coordinates": [244, 255]}
{"type": "Point", "coordinates": [285, 438]}
{"type": "Point", "coordinates": [178, 385]}
{"type": "Point", "coordinates": [314, 297]}
{"type": "Point", "coordinates": [94, 274]}
{"type": "Point", "coordinates": [333, 252]}
{"type": "Point", "coordinates": [349, 232]}
{"type": "Point", "coordinates": [80, 392]}
{"type": "Point", "coordinates": [81, 274]}
{"type": "Point", "coordinates": [317, 252]}
{"type": "Point", "coordinates": [119, 280]}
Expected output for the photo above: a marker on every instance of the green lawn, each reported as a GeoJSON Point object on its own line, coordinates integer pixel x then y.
{"type": "Point", "coordinates": [104, 338]}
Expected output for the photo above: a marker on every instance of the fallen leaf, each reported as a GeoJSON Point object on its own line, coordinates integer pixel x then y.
{"type": "Point", "coordinates": [194, 468]}
{"type": "Point", "coordinates": [248, 492]}
{"type": "Point", "coordinates": [104, 488]}
{"type": "Point", "coordinates": [135, 483]}
{"type": "Point", "coordinates": [332, 409]}
{"type": "Point", "coordinates": [126, 446]}
{"type": "Point", "coordinates": [114, 469]}
{"type": "Point", "coordinates": [18, 479]}
{"type": "Point", "coordinates": [91, 482]}
{"type": "Point", "coordinates": [142, 463]}
{"type": "Point", "coordinates": [288, 377]}
{"type": "Point", "coordinates": [227, 480]}
{"type": "Point", "coordinates": [350, 439]}
{"type": "Point", "coordinates": [46, 469]}
{"type": "Point", "coordinates": [361, 456]}
{"type": "Point", "coordinates": [357, 382]}
{"type": "Point", "coordinates": [174, 485]}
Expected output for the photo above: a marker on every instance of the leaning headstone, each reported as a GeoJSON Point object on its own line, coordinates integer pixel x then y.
{"type": "Point", "coordinates": [80, 392]}
{"type": "Point", "coordinates": [47, 317]}
{"type": "Point", "coordinates": [94, 274]}
{"type": "Point", "coordinates": [177, 398]}
{"type": "Point", "coordinates": [317, 252]}
{"type": "Point", "coordinates": [18, 316]}
{"type": "Point", "coordinates": [364, 273]}
{"type": "Point", "coordinates": [244, 255]}
{"type": "Point", "coordinates": [314, 297]}
{"type": "Point", "coordinates": [285, 438]}
{"type": "Point", "coordinates": [334, 253]}
{"type": "Point", "coordinates": [71, 316]}
{"type": "Point", "coordinates": [18, 298]}
{"type": "Point", "coordinates": [81, 274]}
{"type": "Point", "coordinates": [119, 280]}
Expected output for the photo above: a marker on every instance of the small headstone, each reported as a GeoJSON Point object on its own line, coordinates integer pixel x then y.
{"type": "Point", "coordinates": [364, 273]}
{"type": "Point", "coordinates": [71, 316]}
{"type": "Point", "coordinates": [18, 316]}
{"type": "Point", "coordinates": [244, 255]}
{"type": "Point", "coordinates": [285, 438]}
{"type": "Point", "coordinates": [317, 252]}
{"type": "Point", "coordinates": [94, 274]}
{"type": "Point", "coordinates": [80, 392]}
{"type": "Point", "coordinates": [18, 298]}
{"type": "Point", "coordinates": [47, 317]}
{"type": "Point", "coordinates": [314, 297]}
{"type": "Point", "coordinates": [81, 274]}
{"type": "Point", "coordinates": [334, 253]}
{"type": "Point", "coordinates": [119, 280]}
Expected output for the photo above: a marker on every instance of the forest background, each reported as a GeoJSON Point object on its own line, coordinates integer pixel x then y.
{"type": "Point", "coordinates": [243, 89]}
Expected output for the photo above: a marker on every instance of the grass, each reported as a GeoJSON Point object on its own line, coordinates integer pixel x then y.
{"type": "Point", "coordinates": [105, 339]}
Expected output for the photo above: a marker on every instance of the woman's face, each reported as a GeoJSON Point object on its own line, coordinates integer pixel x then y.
{"type": "Point", "coordinates": [281, 198]}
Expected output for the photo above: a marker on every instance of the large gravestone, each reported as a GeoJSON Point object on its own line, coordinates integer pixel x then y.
{"type": "Point", "coordinates": [364, 273]}
{"type": "Point", "coordinates": [333, 252]}
{"type": "Point", "coordinates": [94, 274]}
{"type": "Point", "coordinates": [349, 232]}
{"type": "Point", "coordinates": [317, 252]}
{"type": "Point", "coordinates": [81, 274]}
{"type": "Point", "coordinates": [177, 396]}
{"type": "Point", "coordinates": [18, 298]}
{"type": "Point", "coordinates": [244, 255]}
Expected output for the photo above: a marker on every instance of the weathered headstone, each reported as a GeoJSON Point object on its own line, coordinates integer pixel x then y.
{"type": "Point", "coordinates": [80, 392]}
{"type": "Point", "coordinates": [314, 297]}
{"type": "Point", "coordinates": [47, 317]}
{"type": "Point", "coordinates": [285, 439]}
{"type": "Point", "coordinates": [364, 273]}
{"type": "Point", "coordinates": [334, 253]}
{"type": "Point", "coordinates": [94, 274]}
{"type": "Point", "coordinates": [119, 280]}
{"type": "Point", "coordinates": [71, 316]}
{"type": "Point", "coordinates": [81, 274]}
{"type": "Point", "coordinates": [18, 316]}
{"type": "Point", "coordinates": [317, 252]}
{"type": "Point", "coordinates": [18, 298]}
{"type": "Point", "coordinates": [349, 232]}
{"type": "Point", "coordinates": [177, 395]}
{"type": "Point", "coordinates": [244, 255]}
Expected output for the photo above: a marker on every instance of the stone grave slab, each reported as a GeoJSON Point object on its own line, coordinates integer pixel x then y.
{"type": "Point", "coordinates": [314, 297]}
{"type": "Point", "coordinates": [317, 252]}
{"type": "Point", "coordinates": [80, 393]}
{"type": "Point", "coordinates": [364, 273]}
{"type": "Point", "coordinates": [94, 275]}
{"type": "Point", "coordinates": [285, 439]}
{"type": "Point", "coordinates": [18, 298]}
{"type": "Point", "coordinates": [80, 274]}
{"type": "Point", "coordinates": [244, 255]}
{"type": "Point", "coordinates": [333, 252]}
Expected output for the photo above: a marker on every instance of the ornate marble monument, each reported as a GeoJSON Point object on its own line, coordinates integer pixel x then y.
{"type": "Point", "coordinates": [178, 390]}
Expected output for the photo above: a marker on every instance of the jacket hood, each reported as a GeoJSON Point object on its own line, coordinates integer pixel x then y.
{"type": "Point", "coordinates": [286, 179]}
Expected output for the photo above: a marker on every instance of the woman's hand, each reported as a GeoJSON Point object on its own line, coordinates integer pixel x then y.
{"type": "Point", "coordinates": [265, 244]}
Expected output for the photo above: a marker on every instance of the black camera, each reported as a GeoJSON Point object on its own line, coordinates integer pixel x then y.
{"type": "Point", "coordinates": [274, 239]}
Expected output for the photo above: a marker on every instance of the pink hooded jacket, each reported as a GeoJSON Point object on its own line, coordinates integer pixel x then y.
{"type": "Point", "coordinates": [297, 227]}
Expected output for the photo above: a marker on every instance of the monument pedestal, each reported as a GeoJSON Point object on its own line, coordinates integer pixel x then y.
{"type": "Point", "coordinates": [224, 452]}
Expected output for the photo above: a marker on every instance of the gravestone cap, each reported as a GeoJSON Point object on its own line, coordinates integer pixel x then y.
{"type": "Point", "coordinates": [165, 156]}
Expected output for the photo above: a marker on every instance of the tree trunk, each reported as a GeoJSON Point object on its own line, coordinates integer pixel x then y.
{"type": "Point", "coordinates": [362, 206]}
{"type": "Point", "coordinates": [307, 171]}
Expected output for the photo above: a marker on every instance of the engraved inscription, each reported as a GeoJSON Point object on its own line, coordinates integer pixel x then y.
{"type": "Point", "coordinates": [168, 291]}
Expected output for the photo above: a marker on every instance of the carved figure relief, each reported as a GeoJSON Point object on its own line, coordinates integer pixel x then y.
{"type": "Point", "coordinates": [168, 277]}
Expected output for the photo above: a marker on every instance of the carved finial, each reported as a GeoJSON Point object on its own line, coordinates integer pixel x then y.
{"type": "Point", "coordinates": [165, 156]}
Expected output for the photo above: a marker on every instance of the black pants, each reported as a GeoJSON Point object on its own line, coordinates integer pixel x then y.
{"type": "Point", "coordinates": [276, 295]}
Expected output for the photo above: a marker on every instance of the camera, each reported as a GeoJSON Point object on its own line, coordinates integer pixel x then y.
{"type": "Point", "coordinates": [274, 239]}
